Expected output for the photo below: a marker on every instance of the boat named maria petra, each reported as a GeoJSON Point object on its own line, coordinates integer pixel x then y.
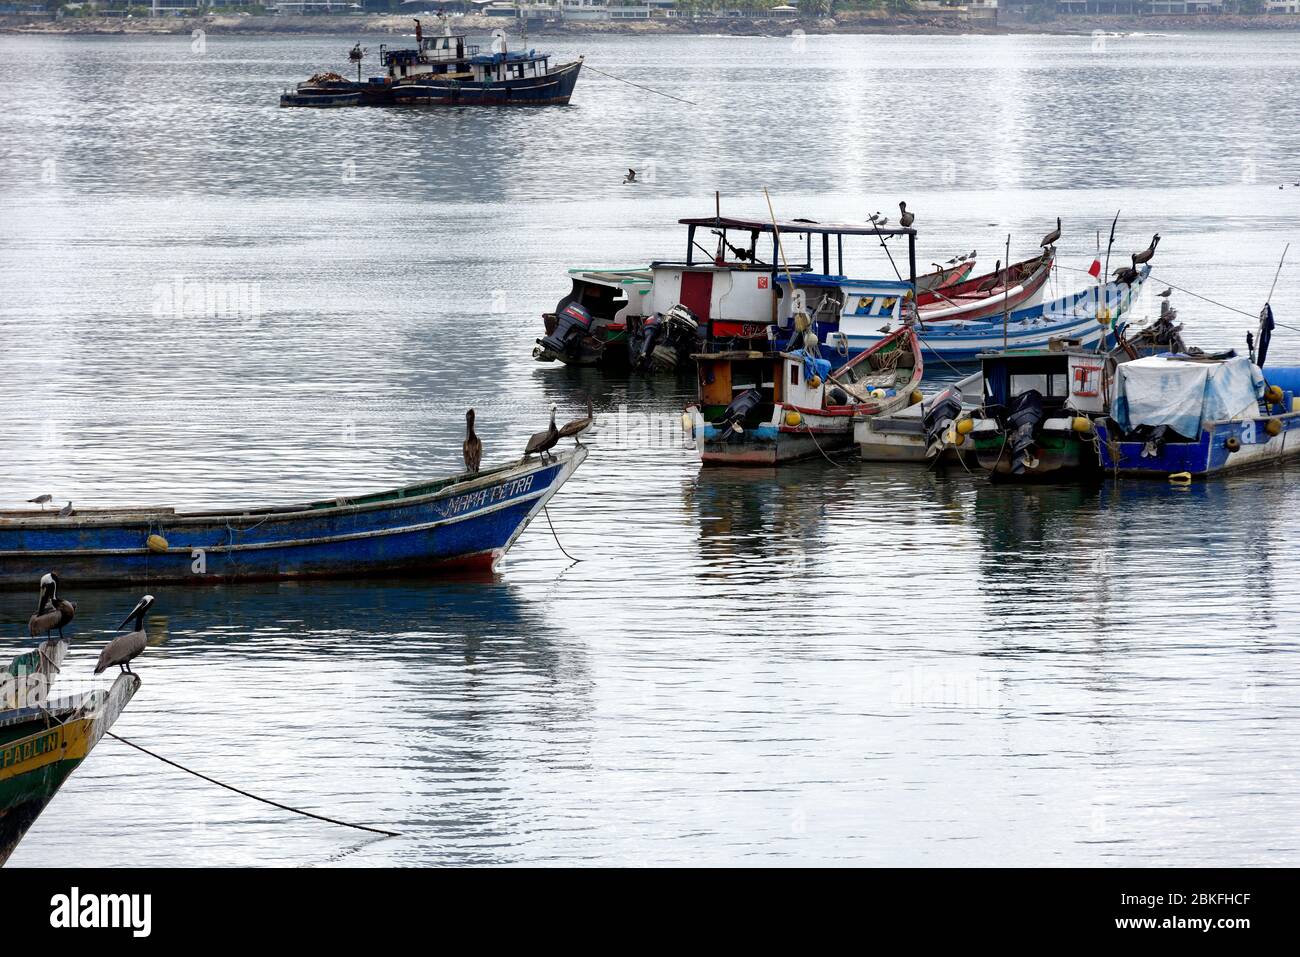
{"type": "Point", "coordinates": [445, 71]}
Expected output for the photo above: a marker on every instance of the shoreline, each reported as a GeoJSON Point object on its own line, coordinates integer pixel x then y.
{"type": "Point", "coordinates": [916, 24]}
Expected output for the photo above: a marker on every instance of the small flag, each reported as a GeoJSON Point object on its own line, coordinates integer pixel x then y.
{"type": "Point", "coordinates": [1095, 269]}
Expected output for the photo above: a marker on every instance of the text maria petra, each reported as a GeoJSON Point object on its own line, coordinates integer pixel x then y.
{"type": "Point", "coordinates": [102, 910]}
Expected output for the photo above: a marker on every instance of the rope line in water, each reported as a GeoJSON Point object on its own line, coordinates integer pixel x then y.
{"type": "Point", "coordinates": [638, 85]}
{"type": "Point", "coordinates": [229, 787]}
{"type": "Point", "coordinates": [557, 537]}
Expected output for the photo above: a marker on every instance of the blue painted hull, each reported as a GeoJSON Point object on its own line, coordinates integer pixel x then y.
{"type": "Point", "coordinates": [459, 525]}
{"type": "Point", "coordinates": [1209, 454]}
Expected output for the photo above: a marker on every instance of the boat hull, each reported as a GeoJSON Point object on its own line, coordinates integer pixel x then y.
{"type": "Point", "coordinates": [553, 89]}
{"type": "Point", "coordinates": [458, 526]}
{"type": "Point", "coordinates": [769, 445]}
{"type": "Point", "coordinates": [1209, 454]}
{"type": "Point", "coordinates": [37, 756]}
{"type": "Point", "coordinates": [1059, 454]}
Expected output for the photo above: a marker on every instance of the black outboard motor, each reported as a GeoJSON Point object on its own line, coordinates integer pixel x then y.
{"type": "Point", "coordinates": [740, 407]}
{"type": "Point", "coordinates": [572, 323]}
{"type": "Point", "coordinates": [664, 340]}
{"type": "Point", "coordinates": [1022, 421]}
{"type": "Point", "coordinates": [941, 412]}
{"type": "Point", "coordinates": [1155, 442]}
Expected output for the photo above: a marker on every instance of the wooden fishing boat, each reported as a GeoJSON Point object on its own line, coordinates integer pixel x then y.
{"type": "Point", "coordinates": [463, 524]}
{"type": "Point", "coordinates": [924, 431]}
{"type": "Point", "coordinates": [446, 71]}
{"type": "Point", "coordinates": [769, 408]}
{"type": "Point", "coordinates": [928, 285]}
{"type": "Point", "coordinates": [43, 739]}
{"type": "Point", "coordinates": [989, 295]}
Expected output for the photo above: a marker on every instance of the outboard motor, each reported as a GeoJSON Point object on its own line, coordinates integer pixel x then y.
{"type": "Point", "coordinates": [740, 407]}
{"type": "Point", "coordinates": [1155, 442]}
{"type": "Point", "coordinates": [664, 340]}
{"type": "Point", "coordinates": [1022, 421]}
{"type": "Point", "coordinates": [939, 416]}
{"type": "Point", "coordinates": [572, 323]}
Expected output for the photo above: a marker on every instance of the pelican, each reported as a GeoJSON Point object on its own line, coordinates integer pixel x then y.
{"type": "Point", "coordinates": [992, 280]}
{"type": "Point", "coordinates": [630, 177]}
{"type": "Point", "coordinates": [66, 511]}
{"type": "Point", "coordinates": [123, 648]}
{"type": "Point", "coordinates": [67, 609]}
{"type": "Point", "coordinates": [1126, 275]}
{"type": "Point", "coordinates": [905, 219]}
{"type": "Point", "coordinates": [1053, 236]}
{"type": "Point", "coordinates": [542, 442]}
{"type": "Point", "coordinates": [47, 616]}
{"type": "Point", "coordinates": [575, 428]}
{"type": "Point", "coordinates": [41, 500]}
{"type": "Point", "coordinates": [472, 448]}
{"type": "Point", "coordinates": [1145, 255]}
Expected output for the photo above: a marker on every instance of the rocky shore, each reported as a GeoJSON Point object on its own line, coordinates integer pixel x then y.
{"type": "Point", "coordinates": [852, 22]}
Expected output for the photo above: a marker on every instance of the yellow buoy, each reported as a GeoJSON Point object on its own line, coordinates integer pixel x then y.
{"type": "Point", "coordinates": [688, 424]}
{"type": "Point", "coordinates": [965, 426]}
{"type": "Point", "coordinates": [1273, 394]}
{"type": "Point", "coordinates": [814, 382]}
{"type": "Point", "coordinates": [1081, 424]}
{"type": "Point", "coordinates": [1273, 426]}
{"type": "Point", "coordinates": [877, 393]}
{"type": "Point", "coordinates": [793, 418]}
{"type": "Point", "coordinates": [1181, 478]}
{"type": "Point", "coordinates": [1295, 403]}
{"type": "Point", "coordinates": [958, 438]}
{"type": "Point", "coordinates": [1232, 443]}
{"type": "Point", "coordinates": [156, 543]}
{"type": "Point", "coordinates": [916, 396]}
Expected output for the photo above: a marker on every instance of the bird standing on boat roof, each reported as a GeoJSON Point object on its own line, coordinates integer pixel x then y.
{"type": "Point", "coordinates": [472, 448]}
{"type": "Point", "coordinates": [66, 511]}
{"type": "Point", "coordinates": [122, 649]}
{"type": "Point", "coordinates": [905, 219]}
{"type": "Point", "coordinates": [1145, 255]}
{"type": "Point", "coordinates": [542, 442]}
{"type": "Point", "coordinates": [41, 500]}
{"type": "Point", "coordinates": [630, 177]}
{"type": "Point", "coordinates": [47, 616]}
{"type": "Point", "coordinates": [573, 430]}
{"type": "Point", "coordinates": [1051, 238]}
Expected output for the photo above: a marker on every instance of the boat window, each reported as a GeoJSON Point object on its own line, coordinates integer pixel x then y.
{"type": "Point", "coordinates": [1054, 383]}
{"type": "Point", "coordinates": [794, 375]}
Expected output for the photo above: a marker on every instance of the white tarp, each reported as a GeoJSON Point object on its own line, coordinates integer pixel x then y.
{"type": "Point", "coordinates": [1181, 394]}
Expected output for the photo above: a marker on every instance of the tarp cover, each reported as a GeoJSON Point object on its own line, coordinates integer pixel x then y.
{"type": "Point", "coordinates": [1180, 393]}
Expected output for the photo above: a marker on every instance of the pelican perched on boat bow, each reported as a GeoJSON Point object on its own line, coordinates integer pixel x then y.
{"type": "Point", "coordinates": [122, 649]}
{"type": "Point", "coordinates": [1146, 255]}
{"type": "Point", "coordinates": [472, 448]}
{"type": "Point", "coordinates": [573, 430]}
{"type": "Point", "coordinates": [542, 442]}
{"type": "Point", "coordinates": [1051, 238]}
{"type": "Point", "coordinates": [47, 615]}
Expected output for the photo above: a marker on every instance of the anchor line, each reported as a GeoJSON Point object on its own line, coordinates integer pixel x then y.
{"type": "Point", "coordinates": [639, 86]}
{"type": "Point", "coordinates": [557, 537]}
{"type": "Point", "coordinates": [231, 787]}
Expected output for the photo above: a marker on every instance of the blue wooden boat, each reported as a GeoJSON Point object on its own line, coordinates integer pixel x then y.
{"type": "Point", "coordinates": [457, 525]}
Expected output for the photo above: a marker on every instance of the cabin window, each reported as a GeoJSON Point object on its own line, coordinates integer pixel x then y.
{"type": "Point", "coordinates": [794, 375]}
{"type": "Point", "coordinates": [1054, 383]}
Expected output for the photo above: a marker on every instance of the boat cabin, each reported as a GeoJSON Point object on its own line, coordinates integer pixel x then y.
{"type": "Point", "coordinates": [739, 287]}
{"type": "Point", "coordinates": [450, 57]}
{"type": "Point", "coordinates": [779, 378]}
{"type": "Point", "coordinates": [1064, 374]}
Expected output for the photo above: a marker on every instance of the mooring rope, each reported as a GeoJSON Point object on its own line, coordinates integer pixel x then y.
{"type": "Point", "coordinates": [557, 537]}
{"type": "Point", "coordinates": [230, 787]}
{"type": "Point", "coordinates": [639, 86]}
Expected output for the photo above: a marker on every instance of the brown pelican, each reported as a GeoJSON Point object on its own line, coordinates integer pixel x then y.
{"type": "Point", "coordinates": [66, 511]}
{"type": "Point", "coordinates": [905, 219]}
{"type": "Point", "coordinates": [1054, 235]}
{"type": "Point", "coordinates": [472, 448]}
{"type": "Point", "coordinates": [1126, 275]}
{"type": "Point", "coordinates": [1145, 255]}
{"type": "Point", "coordinates": [41, 500]}
{"type": "Point", "coordinates": [575, 428]}
{"type": "Point", "coordinates": [542, 442]}
{"type": "Point", "coordinates": [123, 648]}
{"type": "Point", "coordinates": [47, 616]}
{"type": "Point", "coordinates": [67, 609]}
{"type": "Point", "coordinates": [993, 279]}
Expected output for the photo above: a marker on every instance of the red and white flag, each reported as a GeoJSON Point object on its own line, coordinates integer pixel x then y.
{"type": "Point", "coordinates": [1095, 269]}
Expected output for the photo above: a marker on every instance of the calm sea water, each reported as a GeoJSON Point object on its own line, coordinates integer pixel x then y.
{"type": "Point", "coordinates": [854, 663]}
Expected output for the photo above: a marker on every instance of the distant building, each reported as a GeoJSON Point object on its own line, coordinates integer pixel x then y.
{"type": "Point", "coordinates": [961, 9]}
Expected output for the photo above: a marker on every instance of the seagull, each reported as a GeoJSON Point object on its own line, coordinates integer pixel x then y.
{"type": "Point", "coordinates": [1054, 235]}
{"type": "Point", "coordinates": [905, 219]}
{"type": "Point", "coordinates": [41, 500]}
{"type": "Point", "coordinates": [575, 428]}
{"type": "Point", "coordinates": [472, 448]}
{"type": "Point", "coordinates": [1166, 294]}
{"type": "Point", "coordinates": [542, 442]}
{"type": "Point", "coordinates": [66, 511]}
{"type": "Point", "coordinates": [123, 648]}
{"type": "Point", "coordinates": [955, 260]}
{"type": "Point", "coordinates": [630, 177]}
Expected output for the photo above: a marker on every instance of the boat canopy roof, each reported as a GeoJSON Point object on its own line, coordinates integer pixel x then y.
{"type": "Point", "coordinates": [798, 226]}
{"type": "Point", "coordinates": [488, 59]}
